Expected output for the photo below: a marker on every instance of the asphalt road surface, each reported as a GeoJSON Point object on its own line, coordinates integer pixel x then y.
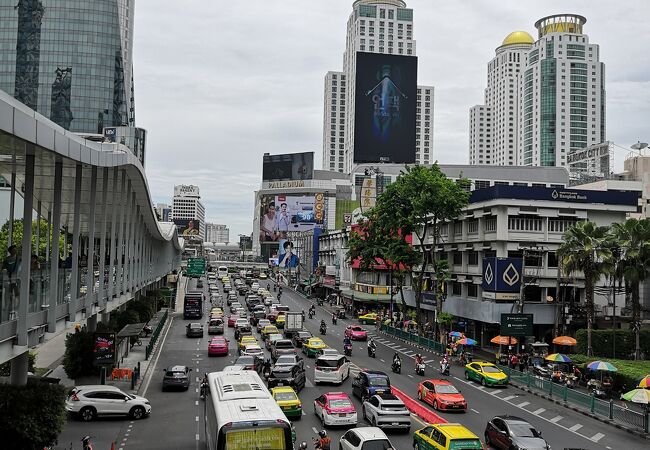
{"type": "Point", "coordinates": [176, 421]}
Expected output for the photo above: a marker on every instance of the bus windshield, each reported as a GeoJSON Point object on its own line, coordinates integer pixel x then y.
{"type": "Point", "coordinates": [266, 438]}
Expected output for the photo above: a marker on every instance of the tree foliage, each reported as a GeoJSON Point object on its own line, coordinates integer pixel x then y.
{"type": "Point", "coordinates": [31, 416]}
{"type": "Point", "coordinates": [78, 356]}
{"type": "Point", "coordinates": [18, 237]}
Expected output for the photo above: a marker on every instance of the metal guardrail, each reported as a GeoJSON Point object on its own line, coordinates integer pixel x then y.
{"type": "Point", "coordinates": [154, 335]}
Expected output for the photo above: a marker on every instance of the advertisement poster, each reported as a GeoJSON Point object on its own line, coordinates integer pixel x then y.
{"type": "Point", "coordinates": [385, 108]}
{"type": "Point", "coordinates": [104, 349]}
{"type": "Point", "coordinates": [187, 227]}
{"type": "Point", "coordinates": [281, 214]}
{"type": "Point", "coordinates": [287, 257]}
{"type": "Point", "coordinates": [289, 166]}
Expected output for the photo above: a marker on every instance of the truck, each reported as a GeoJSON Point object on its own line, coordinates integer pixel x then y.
{"type": "Point", "coordinates": [193, 305]}
{"type": "Point", "coordinates": [293, 322]}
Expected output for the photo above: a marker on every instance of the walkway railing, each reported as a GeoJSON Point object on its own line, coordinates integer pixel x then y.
{"type": "Point", "coordinates": [155, 334]}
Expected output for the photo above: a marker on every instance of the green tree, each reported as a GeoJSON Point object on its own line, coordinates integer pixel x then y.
{"type": "Point", "coordinates": [633, 238]}
{"type": "Point", "coordinates": [586, 248]}
{"type": "Point", "coordinates": [78, 356]}
{"type": "Point", "coordinates": [418, 203]}
{"type": "Point", "coordinates": [18, 237]}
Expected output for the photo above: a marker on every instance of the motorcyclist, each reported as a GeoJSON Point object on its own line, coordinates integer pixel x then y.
{"type": "Point", "coordinates": [268, 286]}
{"type": "Point", "coordinates": [418, 359]}
{"type": "Point", "coordinates": [372, 345]}
{"type": "Point", "coordinates": [303, 315]}
{"type": "Point", "coordinates": [346, 341]}
{"type": "Point", "coordinates": [397, 361]}
{"type": "Point", "coordinates": [267, 366]}
{"type": "Point", "coordinates": [324, 441]}
{"type": "Point", "coordinates": [334, 318]}
{"type": "Point", "coordinates": [323, 326]}
{"type": "Point", "coordinates": [204, 385]}
{"type": "Point", "coordinates": [444, 364]}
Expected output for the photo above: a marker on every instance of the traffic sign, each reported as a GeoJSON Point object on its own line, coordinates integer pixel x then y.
{"type": "Point", "coordinates": [516, 324]}
{"type": "Point", "coordinates": [195, 267]}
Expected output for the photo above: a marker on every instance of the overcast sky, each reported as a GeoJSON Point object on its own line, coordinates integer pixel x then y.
{"type": "Point", "coordinates": [218, 83]}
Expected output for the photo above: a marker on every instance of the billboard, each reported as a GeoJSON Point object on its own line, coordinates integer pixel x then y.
{"type": "Point", "coordinates": [516, 324]}
{"type": "Point", "coordinates": [185, 190]}
{"type": "Point", "coordinates": [385, 108]}
{"type": "Point", "coordinates": [502, 278]}
{"type": "Point", "coordinates": [104, 348]}
{"type": "Point", "coordinates": [188, 227]}
{"type": "Point", "coordinates": [287, 256]}
{"type": "Point", "coordinates": [283, 213]}
{"type": "Point", "coordinates": [288, 166]}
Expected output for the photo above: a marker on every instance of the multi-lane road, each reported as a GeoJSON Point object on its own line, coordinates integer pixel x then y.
{"type": "Point", "coordinates": [176, 421]}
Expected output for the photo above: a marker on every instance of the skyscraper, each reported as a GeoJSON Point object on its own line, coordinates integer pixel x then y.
{"type": "Point", "coordinates": [70, 60]}
{"type": "Point", "coordinates": [187, 207]}
{"type": "Point", "coordinates": [374, 26]}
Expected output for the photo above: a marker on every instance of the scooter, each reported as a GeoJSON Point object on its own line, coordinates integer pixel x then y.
{"type": "Point", "coordinates": [419, 368]}
{"type": "Point", "coordinates": [347, 349]}
{"type": "Point", "coordinates": [372, 350]}
{"type": "Point", "coordinates": [444, 368]}
{"type": "Point", "coordinates": [397, 366]}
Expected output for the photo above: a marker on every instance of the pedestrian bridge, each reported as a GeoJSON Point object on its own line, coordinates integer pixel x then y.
{"type": "Point", "coordinates": [93, 200]}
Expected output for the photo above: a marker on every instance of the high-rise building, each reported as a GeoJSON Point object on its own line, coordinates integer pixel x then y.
{"type": "Point", "coordinates": [374, 26]}
{"type": "Point", "coordinates": [70, 60]}
{"type": "Point", "coordinates": [217, 233]}
{"type": "Point", "coordinates": [562, 92]}
{"type": "Point", "coordinates": [164, 212]}
{"type": "Point", "coordinates": [493, 126]}
{"type": "Point", "coordinates": [186, 208]}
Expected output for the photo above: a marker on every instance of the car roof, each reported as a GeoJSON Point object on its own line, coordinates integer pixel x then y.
{"type": "Point", "coordinates": [218, 338]}
{"type": "Point", "coordinates": [370, 433]}
{"type": "Point", "coordinates": [511, 419]}
{"type": "Point", "coordinates": [278, 389]}
{"type": "Point", "coordinates": [455, 431]}
{"type": "Point", "coordinates": [95, 387]}
{"type": "Point", "coordinates": [388, 397]}
{"type": "Point", "coordinates": [176, 368]}
{"type": "Point", "coordinates": [438, 381]}
{"type": "Point", "coordinates": [374, 373]}
{"type": "Point", "coordinates": [335, 395]}
{"type": "Point", "coordinates": [195, 325]}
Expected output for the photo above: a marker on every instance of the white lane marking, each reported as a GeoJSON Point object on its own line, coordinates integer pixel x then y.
{"type": "Point", "coordinates": [197, 436]}
{"type": "Point", "coordinates": [411, 376]}
{"type": "Point", "coordinates": [197, 418]}
{"type": "Point", "coordinates": [304, 413]}
{"type": "Point", "coordinates": [382, 360]}
{"type": "Point", "coordinates": [495, 393]}
{"type": "Point", "coordinates": [538, 411]}
{"type": "Point", "coordinates": [522, 404]}
{"type": "Point", "coordinates": [197, 379]}
{"type": "Point", "coordinates": [196, 403]}
{"type": "Point", "coordinates": [597, 437]}
{"type": "Point", "coordinates": [150, 374]}
{"type": "Point", "coordinates": [481, 388]}
{"type": "Point", "coordinates": [314, 430]}
{"type": "Point", "coordinates": [429, 361]}
{"type": "Point", "coordinates": [401, 349]}
{"type": "Point", "coordinates": [508, 398]}
{"type": "Point", "coordinates": [576, 427]}
{"type": "Point", "coordinates": [475, 411]}
{"type": "Point", "coordinates": [409, 353]}
{"type": "Point", "coordinates": [556, 419]}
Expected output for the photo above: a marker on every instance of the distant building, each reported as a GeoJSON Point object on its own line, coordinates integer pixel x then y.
{"type": "Point", "coordinates": [187, 210]}
{"type": "Point", "coordinates": [164, 211]}
{"type": "Point", "coordinates": [217, 233]}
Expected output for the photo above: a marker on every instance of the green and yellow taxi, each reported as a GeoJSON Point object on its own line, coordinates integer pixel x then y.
{"type": "Point", "coordinates": [246, 340]}
{"type": "Point", "coordinates": [485, 373]}
{"type": "Point", "coordinates": [445, 436]}
{"type": "Point", "coordinates": [312, 346]}
{"type": "Point", "coordinates": [288, 401]}
{"type": "Point", "coordinates": [269, 329]}
{"type": "Point", "coordinates": [279, 322]}
{"type": "Point", "coordinates": [369, 318]}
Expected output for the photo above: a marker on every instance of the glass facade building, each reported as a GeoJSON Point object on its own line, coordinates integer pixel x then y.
{"type": "Point", "coordinates": [70, 60]}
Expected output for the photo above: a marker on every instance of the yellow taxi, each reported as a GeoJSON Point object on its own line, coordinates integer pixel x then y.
{"type": "Point", "coordinates": [369, 318]}
{"type": "Point", "coordinates": [281, 319]}
{"type": "Point", "coordinates": [269, 329]}
{"type": "Point", "coordinates": [263, 276]}
{"type": "Point", "coordinates": [216, 310]}
{"type": "Point", "coordinates": [445, 436]}
{"type": "Point", "coordinates": [225, 280]}
{"type": "Point", "coordinates": [312, 345]}
{"type": "Point", "coordinates": [246, 340]}
{"type": "Point", "coordinates": [288, 401]}
{"type": "Point", "coordinates": [485, 373]}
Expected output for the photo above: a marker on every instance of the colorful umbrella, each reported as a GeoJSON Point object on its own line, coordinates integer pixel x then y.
{"type": "Point", "coordinates": [504, 340]}
{"type": "Point", "coordinates": [466, 341]}
{"type": "Point", "coordinates": [644, 382]}
{"type": "Point", "coordinates": [601, 365]}
{"type": "Point", "coordinates": [558, 357]}
{"type": "Point", "coordinates": [456, 334]}
{"type": "Point", "coordinates": [637, 396]}
{"type": "Point", "coordinates": [565, 340]}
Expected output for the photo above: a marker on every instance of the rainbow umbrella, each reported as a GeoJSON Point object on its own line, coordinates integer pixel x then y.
{"type": "Point", "coordinates": [637, 396]}
{"type": "Point", "coordinates": [601, 365]}
{"type": "Point", "coordinates": [456, 334]}
{"type": "Point", "coordinates": [558, 357]}
{"type": "Point", "coordinates": [644, 382]}
{"type": "Point", "coordinates": [466, 341]}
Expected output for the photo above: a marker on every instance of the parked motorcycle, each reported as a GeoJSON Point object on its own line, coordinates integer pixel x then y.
{"type": "Point", "coordinates": [319, 301]}
{"type": "Point", "coordinates": [397, 366]}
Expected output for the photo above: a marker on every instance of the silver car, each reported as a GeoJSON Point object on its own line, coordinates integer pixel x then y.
{"type": "Point", "coordinates": [386, 411]}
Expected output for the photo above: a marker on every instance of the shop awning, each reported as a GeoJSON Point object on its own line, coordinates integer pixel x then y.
{"type": "Point", "coordinates": [365, 297]}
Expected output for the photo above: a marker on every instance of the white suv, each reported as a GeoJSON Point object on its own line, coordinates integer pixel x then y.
{"type": "Point", "coordinates": [91, 401]}
{"type": "Point", "coordinates": [331, 369]}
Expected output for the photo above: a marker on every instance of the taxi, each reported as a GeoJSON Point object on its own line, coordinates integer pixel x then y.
{"type": "Point", "coordinates": [269, 329]}
{"type": "Point", "coordinates": [312, 346]}
{"type": "Point", "coordinates": [369, 318]}
{"type": "Point", "coordinates": [216, 310]}
{"type": "Point", "coordinates": [280, 320]}
{"type": "Point", "coordinates": [485, 373]}
{"type": "Point", "coordinates": [246, 340]}
{"type": "Point", "coordinates": [445, 436]}
{"type": "Point", "coordinates": [288, 401]}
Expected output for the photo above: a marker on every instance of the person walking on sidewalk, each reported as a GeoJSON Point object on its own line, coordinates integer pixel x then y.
{"type": "Point", "coordinates": [514, 361]}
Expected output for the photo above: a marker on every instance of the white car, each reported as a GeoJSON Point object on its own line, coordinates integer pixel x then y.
{"type": "Point", "coordinates": [268, 301]}
{"type": "Point", "coordinates": [253, 350]}
{"type": "Point", "coordinates": [241, 322]}
{"type": "Point", "coordinates": [91, 401]}
{"type": "Point", "coordinates": [365, 437]}
{"type": "Point", "coordinates": [386, 411]}
{"type": "Point", "coordinates": [255, 286]}
{"type": "Point", "coordinates": [331, 369]}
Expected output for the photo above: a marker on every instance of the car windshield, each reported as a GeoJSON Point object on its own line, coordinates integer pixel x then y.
{"type": "Point", "coordinates": [322, 362]}
{"type": "Point", "coordinates": [491, 369]}
{"type": "Point", "coordinates": [285, 396]}
{"type": "Point", "coordinates": [380, 444]}
{"type": "Point", "coordinates": [340, 403]}
{"type": "Point", "coordinates": [283, 344]}
{"type": "Point", "coordinates": [378, 381]}
{"type": "Point", "coordinates": [523, 430]}
{"type": "Point", "coordinates": [446, 389]}
{"type": "Point", "coordinates": [284, 360]}
{"type": "Point", "coordinates": [245, 360]}
{"type": "Point", "coordinates": [282, 373]}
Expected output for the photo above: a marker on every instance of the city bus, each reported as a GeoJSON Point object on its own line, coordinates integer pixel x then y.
{"type": "Point", "coordinates": [240, 414]}
{"type": "Point", "coordinates": [222, 271]}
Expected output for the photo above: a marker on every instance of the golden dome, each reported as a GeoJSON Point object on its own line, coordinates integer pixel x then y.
{"type": "Point", "coordinates": [518, 37]}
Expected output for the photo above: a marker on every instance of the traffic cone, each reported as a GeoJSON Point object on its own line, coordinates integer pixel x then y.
{"type": "Point", "coordinates": [112, 445]}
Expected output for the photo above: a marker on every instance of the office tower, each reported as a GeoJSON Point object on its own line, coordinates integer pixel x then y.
{"type": "Point", "coordinates": [188, 213]}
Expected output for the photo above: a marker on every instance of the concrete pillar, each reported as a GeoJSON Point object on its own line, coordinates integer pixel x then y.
{"type": "Point", "coordinates": [19, 369]}
{"type": "Point", "coordinates": [26, 252]}
{"type": "Point", "coordinates": [74, 278]}
{"type": "Point", "coordinates": [56, 235]}
{"type": "Point", "coordinates": [90, 272]}
{"type": "Point", "coordinates": [120, 240]}
{"type": "Point", "coordinates": [127, 239]}
{"type": "Point", "coordinates": [12, 203]}
{"type": "Point", "coordinates": [37, 248]}
{"type": "Point", "coordinates": [112, 267]}
{"type": "Point", "coordinates": [48, 241]}
{"type": "Point", "coordinates": [101, 292]}
{"type": "Point", "coordinates": [134, 245]}
{"type": "Point", "coordinates": [91, 323]}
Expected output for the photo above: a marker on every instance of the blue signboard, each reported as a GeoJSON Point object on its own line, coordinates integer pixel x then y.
{"type": "Point", "coordinates": [502, 274]}
{"type": "Point", "coordinates": [555, 195]}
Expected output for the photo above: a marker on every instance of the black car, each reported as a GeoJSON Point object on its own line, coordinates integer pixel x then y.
{"type": "Point", "coordinates": [176, 377]}
{"type": "Point", "coordinates": [243, 330]}
{"type": "Point", "coordinates": [293, 376]}
{"type": "Point", "coordinates": [299, 337]}
{"type": "Point", "coordinates": [250, 363]}
{"type": "Point", "coordinates": [370, 382]}
{"type": "Point", "coordinates": [506, 432]}
{"type": "Point", "coordinates": [289, 360]}
{"type": "Point", "coordinates": [194, 330]}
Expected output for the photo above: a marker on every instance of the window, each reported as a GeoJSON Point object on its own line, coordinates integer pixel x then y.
{"type": "Point", "coordinates": [472, 226]}
{"type": "Point", "coordinates": [456, 288]}
{"type": "Point", "coordinates": [552, 259]}
{"type": "Point", "coordinates": [458, 228]}
{"type": "Point", "coordinates": [458, 258]}
{"type": "Point", "coordinates": [472, 290]}
{"type": "Point", "coordinates": [472, 258]}
{"type": "Point", "coordinates": [481, 184]}
{"type": "Point", "coordinates": [523, 223]}
{"type": "Point", "coordinates": [352, 438]}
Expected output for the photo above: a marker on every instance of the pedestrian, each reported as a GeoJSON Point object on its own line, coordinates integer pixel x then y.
{"type": "Point", "coordinates": [522, 362]}
{"type": "Point", "coordinates": [514, 361]}
{"type": "Point", "coordinates": [11, 264]}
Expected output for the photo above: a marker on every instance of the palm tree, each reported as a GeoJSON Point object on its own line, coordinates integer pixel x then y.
{"type": "Point", "coordinates": [633, 236]}
{"type": "Point", "coordinates": [586, 248]}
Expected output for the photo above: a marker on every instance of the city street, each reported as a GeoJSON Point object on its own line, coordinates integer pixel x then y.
{"type": "Point", "coordinates": [176, 421]}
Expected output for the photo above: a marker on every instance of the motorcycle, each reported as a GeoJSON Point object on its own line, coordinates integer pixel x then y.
{"type": "Point", "coordinates": [347, 349]}
{"type": "Point", "coordinates": [444, 368]}
{"type": "Point", "coordinates": [419, 368]}
{"type": "Point", "coordinates": [571, 381]}
{"type": "Point", "coordinates": [204, 387]}
{"type": "Point", "coordinates": [372, 350]}
{"type": "Point", "coordinates": [267, 373]}
{"type": "Point", "coordinates": [146, 331]}
{"type": "Point", "coordinates": [323, 329]}
{"type": "Point", "coordinates": [319, 301]}
{"type": "Point", "coordinates": [397, 366]}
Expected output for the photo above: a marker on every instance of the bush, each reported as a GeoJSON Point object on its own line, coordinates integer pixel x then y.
{"type": "Point", "coordinates": [5, 369]}
{"type": "Point", "coordinates": [78, 357]}
{"type": "Point", "coordinates": [31, 416]}
{"type": "Point", "coordinates": [628, 373]}
{"type": "Point", "coordinates": [602, 342]}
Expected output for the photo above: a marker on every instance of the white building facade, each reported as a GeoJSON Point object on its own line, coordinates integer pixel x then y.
{"type": "Point", "coordinates": [374, 26]}
{"type": "Point", "coordinates": [215, 232]}
{"type": "Point", "coordinates": [186, 205]}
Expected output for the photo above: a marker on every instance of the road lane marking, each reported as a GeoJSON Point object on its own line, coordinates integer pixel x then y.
{"type": "Point", "coordinates": [162, 344]}
{"type": "Point", "coordinates": [538, 411]}
{"type": "Point", "coordinates": [475, 411]}
{"type": "Point", "coordinates": [522, 404]}
{"type": "Point", "coordinates": [576, 427]}
{"type": "Point", "coordinates": [382, 360]}
{"type": "Point", "coordinates": [197, 436]}
{"type": "Point", "coordinates": [419, 420]}
{"type": "Point", "coordinates": [314, 430]}
{"type": "Point", "coordinates": [597, 437]}
{"type": "Point", "coordinates": [556, 419]}
{"type": "Point", "coordinates": [429, 361]}
{"type": "Point", "coordinates": [197, 418]}
{"type": "Point", "coordinates": [411, 376]}
{"type": "Point", "coordinates": [196, 403]}
{"type": "Point", "coordinates": [495, 393]}
{"type": "Point", "coordinates": [508, 398]}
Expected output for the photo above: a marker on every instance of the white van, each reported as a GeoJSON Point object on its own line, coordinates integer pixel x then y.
{"type": "Point", "coordinates": [331, 369]}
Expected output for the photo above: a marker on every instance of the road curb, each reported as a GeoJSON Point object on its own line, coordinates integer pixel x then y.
{"type": "Point", "coordinates": [143, 375]}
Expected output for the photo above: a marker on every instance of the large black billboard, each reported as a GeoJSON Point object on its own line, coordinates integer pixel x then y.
{"type": "Point", "coordinates": [288, 166]}
{"type": "Point", "coordinates": [384, 108]}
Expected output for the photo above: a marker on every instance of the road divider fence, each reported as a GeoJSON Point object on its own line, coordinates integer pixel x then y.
{"type": "Point", "coordinates": [430, 344]}
{"type": "Point", "coordinates": [417, 408]}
